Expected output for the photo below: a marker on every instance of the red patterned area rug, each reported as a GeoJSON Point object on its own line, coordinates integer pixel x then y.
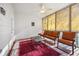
{"type": "Point", "coordinates": [33, 48]}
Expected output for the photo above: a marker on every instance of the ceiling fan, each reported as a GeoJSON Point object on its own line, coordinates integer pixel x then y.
{"type": "Point", "coordinates": [44, 8]}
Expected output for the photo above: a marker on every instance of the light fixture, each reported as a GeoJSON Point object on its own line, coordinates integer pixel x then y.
{"type": "Point", "coordinates": [42, 11]}
{"type": "Point", "coordinates": [43, 8]}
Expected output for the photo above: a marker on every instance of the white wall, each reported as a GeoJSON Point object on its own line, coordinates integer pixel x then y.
{"type": "Point", "coordinates": [23, 28]}
{"type": "Point", "coordinates": [5, 25]}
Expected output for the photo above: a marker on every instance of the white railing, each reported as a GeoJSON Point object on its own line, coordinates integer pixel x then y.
{"type": "Point", "coordinates": [5, 50]}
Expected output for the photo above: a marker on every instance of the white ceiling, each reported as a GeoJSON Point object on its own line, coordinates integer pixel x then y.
{"type": "Point", "coordinates": [33, 8]}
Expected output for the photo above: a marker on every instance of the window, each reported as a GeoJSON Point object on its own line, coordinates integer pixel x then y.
{"type": "Point", "coordinates": [62, 20]}
{"type": "Point", "coordinates": [51, 22]}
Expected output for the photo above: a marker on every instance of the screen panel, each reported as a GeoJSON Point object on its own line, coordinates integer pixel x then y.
{"type": "Point", "coordinates": [62, 20]}
{"type": "Point", "coordinates": [75, 17]}
{"type": "Point", "coordinates": [44, 23]}
{"type": "Point", "coordinates": [51, 22]}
